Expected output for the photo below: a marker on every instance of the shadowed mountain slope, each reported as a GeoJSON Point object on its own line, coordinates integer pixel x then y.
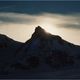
{"type": "Point", "coordinates": [43, 52]}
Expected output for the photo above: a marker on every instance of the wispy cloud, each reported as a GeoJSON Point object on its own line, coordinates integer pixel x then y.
{"type": "Point", "coordinates": [16, 18]}
{"type": "Point", "coordinates": [60, 20]}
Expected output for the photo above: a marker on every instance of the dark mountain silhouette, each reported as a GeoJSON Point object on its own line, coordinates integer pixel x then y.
{"type": "Point", "coordinates": [43, 53]}
{"type": "Point", "coordinates": [8, 49]}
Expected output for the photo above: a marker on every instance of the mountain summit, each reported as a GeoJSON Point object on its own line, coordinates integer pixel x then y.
{"type": "Point", "coordinates": [44, 46]}
{"type": "Point", "coordinates": [43, 52]}
{"type": "Point", "coordinates": [40, 32]}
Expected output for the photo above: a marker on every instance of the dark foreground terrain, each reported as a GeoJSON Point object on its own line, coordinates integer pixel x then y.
{"type": "Point", "coordinates": [43, 56]}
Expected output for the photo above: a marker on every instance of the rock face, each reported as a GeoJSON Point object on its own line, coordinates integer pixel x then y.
{"type": "Point", "coordinates": [43, 52]}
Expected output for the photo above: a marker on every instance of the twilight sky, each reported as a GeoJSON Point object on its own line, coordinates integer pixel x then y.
{"type": "Point", "coordinates": [18, 19]}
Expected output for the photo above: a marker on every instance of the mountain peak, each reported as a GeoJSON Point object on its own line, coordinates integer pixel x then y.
{"type": "Point", "coordinates": [40, 32]}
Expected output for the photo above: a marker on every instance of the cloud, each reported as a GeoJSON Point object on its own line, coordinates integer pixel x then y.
{"type": "Point", "coordinates": [60, 20]}
{"type": "Point", "coordinates": [15, 18]}
{"type": "Point", "coordinates": [65, 21]}
{"type": "Point", "coordinates": [71, 25]}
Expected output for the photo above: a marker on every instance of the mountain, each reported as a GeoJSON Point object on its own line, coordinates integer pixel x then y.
{"type": "Point", "coordinates": [42, 53]}
{"type": "Point", "coordinates": [8, 48]}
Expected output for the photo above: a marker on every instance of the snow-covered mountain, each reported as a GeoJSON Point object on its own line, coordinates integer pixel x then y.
{"type": "Point", "coordinates": [43, 53]}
